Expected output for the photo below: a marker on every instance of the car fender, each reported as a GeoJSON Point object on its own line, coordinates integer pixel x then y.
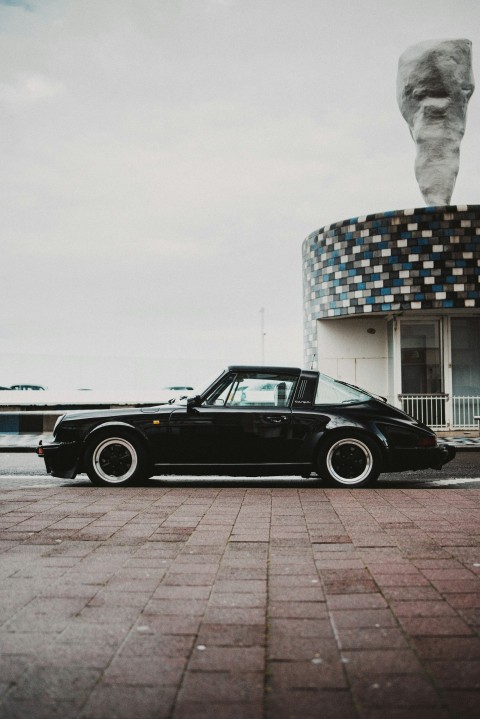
{"type": "Point", "coordinates": [122, 425]}
{"type": "Point", "coordinates": [339, 430]}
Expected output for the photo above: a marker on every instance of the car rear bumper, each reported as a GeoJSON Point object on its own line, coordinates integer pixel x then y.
{"type": "Point", "coordinates": [61, 459]}
{"type": "Point", "coordinates": [421, 458]}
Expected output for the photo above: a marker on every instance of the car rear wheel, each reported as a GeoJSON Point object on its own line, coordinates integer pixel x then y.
{"type": "Point", "coordinates": [350, 461]}
{"type": "Point", "coordinates": [115, 459]}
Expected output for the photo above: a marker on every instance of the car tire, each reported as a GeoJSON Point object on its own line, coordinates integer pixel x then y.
{"type": "Point", "coordinates": [349, 460]}
{"type": "Point", "coordinates": [115, 459]}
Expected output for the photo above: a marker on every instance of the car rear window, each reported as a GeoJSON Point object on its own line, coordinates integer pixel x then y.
{"type": "Point", "coordinates": [332, 391]}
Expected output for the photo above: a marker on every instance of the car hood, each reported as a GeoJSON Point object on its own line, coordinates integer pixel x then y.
{"type": "Point", "coordinates": [93, 414]}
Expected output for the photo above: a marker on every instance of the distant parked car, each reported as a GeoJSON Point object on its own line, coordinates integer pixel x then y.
{"type": "Point", "coordinates": [177, 391]}
{"type": "Point", "coordinates": [26, 386]}
{"type": "Point", "coordinates": [179, 388]}
{"type": "Point", "coordinates": [4, 388]}
{"type": "Point", "coordinates": [306, 422]}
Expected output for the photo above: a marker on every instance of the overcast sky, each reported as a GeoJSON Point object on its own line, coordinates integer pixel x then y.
{"type": "Point", "coordinates": [162, 161]}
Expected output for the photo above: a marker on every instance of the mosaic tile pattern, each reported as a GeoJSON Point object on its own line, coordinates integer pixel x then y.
{"type": "Point", "coordinates": [418, 259]}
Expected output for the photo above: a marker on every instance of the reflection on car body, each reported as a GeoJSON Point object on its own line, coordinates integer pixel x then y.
{"type": "Point", "coordinates": [249, 421]}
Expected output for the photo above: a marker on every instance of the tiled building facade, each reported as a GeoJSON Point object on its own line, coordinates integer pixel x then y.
{"type": "Point", "coordinates": [392, 302]}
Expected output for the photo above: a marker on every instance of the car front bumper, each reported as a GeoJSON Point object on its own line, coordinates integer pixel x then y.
{"type": "Point", "coordinates": [62, 459]}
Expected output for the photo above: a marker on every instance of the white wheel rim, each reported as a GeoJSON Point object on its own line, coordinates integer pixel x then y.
{"type": "Point", "coordinates": [349, 457]}
{"type": "Point", "coordinates": [115, 460]}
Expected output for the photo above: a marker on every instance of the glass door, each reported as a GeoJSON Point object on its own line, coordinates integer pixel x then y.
{"type": "Point", "coordinates": [422, 371]}
{"type": "Point", "coordinates": [465, 332]}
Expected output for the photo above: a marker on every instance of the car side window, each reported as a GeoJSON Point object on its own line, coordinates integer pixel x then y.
{"type": "Point", "coordinates": [261, 390]}
{"type": "Point", "coordinates": [331, 391]}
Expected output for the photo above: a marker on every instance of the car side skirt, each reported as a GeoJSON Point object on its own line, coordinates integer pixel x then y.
{"type": "Point", "coordinates": [235, 470]}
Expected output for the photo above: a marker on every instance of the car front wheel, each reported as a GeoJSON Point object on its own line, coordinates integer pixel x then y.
{"type": "Point", "coordinates": [350, 461]}
{"type": "Point", "coordinates": [115, 460]}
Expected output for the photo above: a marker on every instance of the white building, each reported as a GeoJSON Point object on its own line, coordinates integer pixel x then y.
{"type": "Point", "coordinates": [392, 303]}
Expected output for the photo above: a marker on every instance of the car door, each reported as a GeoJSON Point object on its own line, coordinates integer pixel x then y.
{"type": "Point", "coordinates": [247, 420]}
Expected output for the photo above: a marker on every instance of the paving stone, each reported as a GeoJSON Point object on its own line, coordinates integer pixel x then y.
{"type": "Point", "coordinates": [181, 607]}
{"type": "Point", "coordinates": [238, 659]}
{"type": "Point", "coordinates": [40, 683]}
{"type": "Point", "coordinates": [303, 675]}
{"type": "Point", "coordinates": [301, 627]}
{"type": "Point", "coordinates": [292, 648]}
{"type": "Point", "coordinates": [356, 601]}
{"type": "Point", "coordinates": [390, 690]}
{"type": "Point", "coordinates": [456, 674]}
{"type": "Point", "coordinates": [372, 638]}
{"type": "Point", "coordinates": [462, 704]}
{"type": "Point", "coordinates": [235, 635]}
{"type": "Point", "coordinates": [129, 702]}
{"type": "Point", "coordinates": [217, 710]}
{"type": "Point", "coordinates": [417, 608]}
{"type": "Point", "coordinates": [435, 626]}
{"type": "Point", "coordinates": [311, 704]}
{"type": "Point", "coordinates": [219, 599]}
{"type": "Point", "coordinates": [235, 615]}
{"type": "Point", "coordinates": [400, 712]}
{"type": "Point", "coordinates": [298, 610]}
{"type": "Point", "coordinates": [373, 663]}
{"type": "Point", "coordinates": [447, 647]}
{"type": "Point", "coordinates": [363, 618]}
{"type": "Point", "coordinates": [145, 671]}
{"type": "Point", "coordinates": [222, 687]}
{"type": "Point", "coordinates": [168, 624]}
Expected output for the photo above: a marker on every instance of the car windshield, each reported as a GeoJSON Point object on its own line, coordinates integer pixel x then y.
{"type": "Point", "coordinates": [332, 391]}
{"type": "Point", "coordinates": [200, 389]}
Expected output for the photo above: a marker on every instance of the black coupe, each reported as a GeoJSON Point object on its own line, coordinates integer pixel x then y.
{"type": "Point", "coordinates": [250, 421]}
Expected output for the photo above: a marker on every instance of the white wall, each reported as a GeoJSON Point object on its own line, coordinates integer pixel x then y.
{"type": "Point", "coordinates": [347, 351]}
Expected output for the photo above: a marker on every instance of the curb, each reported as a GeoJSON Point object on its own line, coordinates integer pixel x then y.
{"type": "Point", "coordinates": [29, 443]}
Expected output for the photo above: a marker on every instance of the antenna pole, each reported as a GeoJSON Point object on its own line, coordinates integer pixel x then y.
{"type": "Point", "coordinates": [262, 332]}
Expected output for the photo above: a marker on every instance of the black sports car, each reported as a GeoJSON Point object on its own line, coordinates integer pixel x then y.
{"type": "Point", "coordinates": [249, 421]}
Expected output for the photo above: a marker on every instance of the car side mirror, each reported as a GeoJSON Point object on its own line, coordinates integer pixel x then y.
{"type": "Point", "coordinates": [194, 402]}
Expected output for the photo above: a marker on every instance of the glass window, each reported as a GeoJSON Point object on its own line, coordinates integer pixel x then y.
{"type": "Point", "coordinates": [332, 391]}
{"type": "Point", "coordinates": [221, 392]}
{"type": "Point", "coordinates": [422, 371]}
{"type": "Point", "coordinates": [465, 356]}
{"type": "Point", "coordinates": [254, 389]}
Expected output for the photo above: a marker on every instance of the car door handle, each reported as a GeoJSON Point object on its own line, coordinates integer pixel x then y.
{"type": "Point", "coordinates": [277, 418]}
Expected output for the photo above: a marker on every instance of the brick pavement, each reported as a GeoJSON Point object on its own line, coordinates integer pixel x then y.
{"type": "Point", "coordinates": [258, 603]}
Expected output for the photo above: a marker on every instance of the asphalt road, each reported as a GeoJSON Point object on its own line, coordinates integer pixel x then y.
{"type": "Point", "coordinates": [26, 469]}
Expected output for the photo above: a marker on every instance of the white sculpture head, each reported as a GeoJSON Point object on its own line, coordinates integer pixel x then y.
{"type": "Point", "coordinates": [434, 84]}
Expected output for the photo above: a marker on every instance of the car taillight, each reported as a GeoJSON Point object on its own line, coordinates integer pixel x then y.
{"type": "Point", "coordinates": [427, 442]}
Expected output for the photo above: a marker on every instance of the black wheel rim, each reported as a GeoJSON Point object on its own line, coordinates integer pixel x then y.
{"type": "Point", "coordinates": [115, 460]}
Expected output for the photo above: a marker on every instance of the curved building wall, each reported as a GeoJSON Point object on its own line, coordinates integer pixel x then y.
{"type": "Point", "coordinates": [404, 260]}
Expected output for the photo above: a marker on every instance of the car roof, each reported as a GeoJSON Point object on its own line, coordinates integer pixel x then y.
{"type": "Point", "coordinates": [265, 369]}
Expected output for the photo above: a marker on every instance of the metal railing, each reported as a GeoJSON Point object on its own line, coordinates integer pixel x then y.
{"type": "Point", "coordinates": [427, 408]}
{"type": "Point", "coordinates": [440, 411]}
{"type": "Point", "coordinates": [465, 409]}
